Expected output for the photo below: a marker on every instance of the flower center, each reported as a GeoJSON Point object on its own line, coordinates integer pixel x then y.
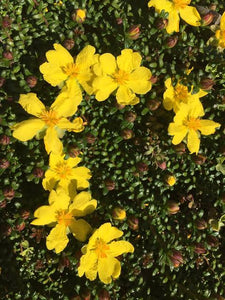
{"type": "Point", "coordinates": [192, 123]}
{"type": "Point", "coordinates": [100, 248]}
{"type": "Point", "coordinates": [64, 217]}
{"type": "Point", "coordinates": [181, 3]}
{"type": "Point", "coordinates": [49, 117]}
{"type": "Point", "coordinates": [181, 93]}
{"type": "Point", "coordinates": [121, 77]}
{"type": "Point", "coordinates": [63, 170]}
{"type": "Point", "coordinates": [71, 69]}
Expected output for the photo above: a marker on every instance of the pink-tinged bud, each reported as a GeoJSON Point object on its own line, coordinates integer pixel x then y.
{"type": "Point", "coordinates": [208, 18]}
{"type": "Point", "coordinates": [119, 21]}
{"type": "Point", "coordinates": [207, 84]}
{"type": "Point", "coordinates": [172, 41]}
{"type": "Point", "coordinates": [133, 223]}
{"type": "Point", "coordinates": [162, 165]}
{"type": "Point", "coordinates": [180, 148]}
{"type": "Point", "coordinates": [173, 207]}
{"type": "Point", "coordinates": [127, 134]}
{"type": "Point", "coordinates": [8, 55]}
{"type": "Point", "coordinates": [20, 226]}
{"type": "Point", "coordinates": [142, 167]}
{"type": "Point", "coordinates": [130, 116]}
{"type": "Point", "coordinates": [4, 164]}
{"type": "Point", "coordinates": [171, 180]}
{"type": "Point", "coordinates": [161, 23]}
{"type": "Point", "coordinates": [2, 81]}
{"type": "Point", "coordinates": [199, 159]}
{"type": "Point", "coordinates": [110, 184]}
{"type": "Point", "coordinates": [176, 258]}
{"type": "Point", "coordinates": [118, 213]}
{"type": "Point", "coordinates": [201, 224]}
{"type": "Point", "coordinates": [69, 44]}
{"type": "Point", "coordinates": [212, 241]}
{"type": "Point", "coordinates": [134, 32]}
{"type": "Point", "coordinates": [153, 104]}
{"type": "Point", "coordinates": [154, 79]}
{"type": "Point", "coordinates": [199, 248]}
{"type": "Point", "coordinates": [79, 16]}
{"type": "Point", "coordinates": [6, 22]}
{"type": "Point", "coordinates": [25, 214]}
{"type": "Point", "coordinates": [3, 204]}
{"type": "Point", "coordinates": [9, 193]}
{"type": "Point", "coordinates": [90, 138]}
{"type": "Point", "coordinates": [4, 140]}
{"type": "Point", "coordinates": [73, 151]}
{"type": "Point", "coordinates": [103, 295]}
{"type": "Point", "coordinates": [31, 81]}
{"type": "Point", "coordinates": [38, 172]}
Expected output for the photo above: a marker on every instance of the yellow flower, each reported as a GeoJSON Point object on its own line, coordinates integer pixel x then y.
{"type": "Point", "coordinates": [119, 213]}
{"type": "Point", "coordinates": [62, 212]}
{"type": "Point", "coordinates": [173, 97]}
{"type": "Point", "coordinates": [100, 254]}
{"type": "Point", "coordinates": [80, 15]}
{"type": "Point", "coordinates": [171, 180]}
{"type": "Point", "coordinates": [177, 9]}
{"type": "Point", "coordinates": [220, 33]}
{"type": "Point", "coordinates": [187, 122]}
{"type": "Point", "coordinates": [49, 123]}
{"type": "Point", "coordinates": [123, 74]}
{"type": "Point", "coordinates": [62, 69]}
{"type": "Point", "coordinates": [64, 173]}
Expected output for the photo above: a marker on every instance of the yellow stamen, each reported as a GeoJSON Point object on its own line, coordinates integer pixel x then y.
{"type": "Point", "coordinates": [63, 170]}
{"type": "Point", "coordinates": [181, 93]}
{"type": "Point", "coordinates": [49, 117]}
{"type": "Point", "coordinates": [121, 77]}
{"type": "Point", "coordinates": [64, 217]}
{"type": "Point", "coordinates": [100, 248]}
{"type": "Point", "coordinates": [192, 123]}
{"type": "Point", "coordinates": [71, 69]}
{"type": "Point", "coordinates": [181, 3]}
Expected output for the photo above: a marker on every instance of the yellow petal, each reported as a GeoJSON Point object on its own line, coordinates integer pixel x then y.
{"type": "Point", "coordinates": [160, 5]}
{"type": "Point", "coordinates": [107, 63]}
{"type": "Point", "coordinates": [31, 104]}
{"type": "Point", "coordinates": [60, 56]}
{"type": "Point", "coordinates": [128, 60]}
{"type": "Point", "coordinates": [195, 108]}
{"type": "Point", "coordinates": [82, 205]}
{"type": "Point", "coordinates": [73, 161]}
{"type": "Point", "coordinates": [59, 200]}
{"type": "Point", "coordinates": [222, 22]}
{"type": "Point", "coordinates": [80, 229]}
{"type": "Point", "coordinates": [120, 247]}
{"type": "Point", "coordinates": [193, 141]}
{"type": "Point", "coordinates": [108, 268]}
{"type": "Point", "coordinates": [26, 130]}
{"type": "Point", "coordinates": [86, 57]}
{"type": "Point", "coordinates": [71, 126]}
{"type": "Point", "coordinates": [44, 215]}
{"type": "Point", "coordinates": [78, 124]}
{"type": "Point", "coordinates": [103, 87]}
{"type": "Point", "coordinates": [88, 265]}
{"type": "Point", "coordinates": [57, 239]}
{"type": "Point", "coordinates": [52, 142]}
{"type": "Point", "coordinates": [52, 74]}
{"type": "Point", "coordinates": [179, 132]}
{"type": "Point", "coordinates": [173, 22]}
{"type": "Point", "coordinates": [168, 96]}
{"type": "Point", "coordinates": [81, 174]}
{"type": "Point", "coordinates": [50, 180]}
{"type": "Point", "coordinates": [208, 127]}
{"type": "Point", "coordinates": [125, 96]}
{"type": "Point", "coordinates": [190, 15]}
{"type": "Point", "coordinates": [139, 80]}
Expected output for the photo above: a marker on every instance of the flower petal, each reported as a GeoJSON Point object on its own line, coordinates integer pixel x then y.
{"type": "Point", "coordinates": [86, 57]}
{"type": "Point", "coordinates": [222, 22]}
{"type": "Point", "coordinates": [193, 141]}
{"type": "Point", "coordinates": [107, 63]}
{"type": "Point", "coordinates": [190, 15]}
{"type": "Point", "coordinates": [81, 174]}
{"type": "Point", "coordinates": [59, 200]}
{"type": "Point", "coordinates": [57, 239]}
{"type": "Point", "coordinates": [179, 132]}
{"type": "Point", "coordinates": [103, 87]}
{"type": "Point", "coordinates": [50, 180]}
{"type": "Point", "coordinates": [160, 5]}
{"type": "Point", "coordinates": [88, 265]}
{"type": "Point", "coordinates": [44, 215]}
{"type": "Point", "coordinates": [82, 204]}
{"type": "Point", "coordinates": [139, 80]}
{"type": "Point", "coordinates": [173, 22]}
{"type": "Point", "coordinates": [125, 96]}
{"type": "Point", "coordinates": [168, 96]}
{"type": "Point", "coordinates": [128, 60]}
{"type": "Point", "coordinates": [208, 127]}
{"type": "Point", "coordinates": [26, 130]}
{"type": "Point", "coordinates": [31, 104]}
{"type": "Point", "coordinates": [80, 229]}
{"type": "Point", "coordinates": [120, 247]}
{"type": "Point", "coordinates": [108, 268]}
{"type": "Point", "coordinates": [52, 142]}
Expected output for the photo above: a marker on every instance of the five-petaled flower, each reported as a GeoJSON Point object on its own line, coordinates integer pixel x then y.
{"type": "Point", "coordinates": [100, 254]}
{"type": "Point", "coordinates": [61, 212]}
{"type": "Point", "coordinates": [187, 122]}
{"type": "Point", "coordinates": [63, 70]}
{"type": "Point", "coordinates": [123, 74]}
{"type": "Point", "coordinates": [49, 123]}
{"type": "Point", "coordinates": [177, 9]}
{"type": "Point", "coordinates": [220, 33]}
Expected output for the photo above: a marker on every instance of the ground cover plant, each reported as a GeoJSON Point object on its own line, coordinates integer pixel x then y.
{"type": "Point", "coordinates": [112, 149]}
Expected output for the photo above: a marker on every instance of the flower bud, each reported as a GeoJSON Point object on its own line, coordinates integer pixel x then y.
{"type": "Point", "coordinates": [38, 172]}
{"type": "Point", "coordinates": [4, 164]}
{"type": "Point", "coordinates": [154, 79]}
{"type": "Point", "coordinates": [4, 140]}
{"type": "Point", "coordinates": [25, 214]}
{"type": "Point", "coordinates": [2, 81]}
{"type": "Point", "coordinates": [133, 223]}
{"type": "Point", "coordinates": [134, 32]}
{"type": "Point", "coordinates": [171, 180]}
{"type": "Point", "coordinates": [142, 167]}
{"type": "Point", "coordinates": [208, 18]}
{"type": "Point", "coordinates": [212, 241]}
{"type": "Point", "coordinates": [207, 84]}
{"type": "Point", "coordinates": [199, 159]}
{"type": "Point", "coordinates": [6, 230]}
{"type": "Point", "coordinates": [85, 294]}
{"type": "Point", "coordinates": [3, 204]}
{"type": "Point", "coordinates": [127, 134]}
{"type": "Point", "coordinates": [110, 184]}
{"type": "Point", "coordinates": [8, 55]}
{"type": "Point", "coordinates": [180, 148]}
{"type": "Point", "coordinates": [118, 213]}
{"type": "Point", "coordinates": [9, 193]}
{"type": "Point", "coordinates": [103, 294]}
{"type": "Point", "coordinates": [153, 104]}
{"type": "Point", "coordinates": [201, 224]}
{"type": "Point", "coordinates": [199, 248]}
{"type": "Point", "coordinates": [173, 207]}
{"type": "Point", "coordinates": [69, 44]}
{"type": "Point", "coordinates": [119, 21]}
{"type": "Point", "coordinates": [73, 151]}
{"type": "Point", "coordinates": [90, 138]}
{"type": "Point", "coordinates": [161, 23]}
{"type": "Point", "coordinates": [162, 165]}
{"type": "Point", "coordinates": [31, 81]}
{"type": "Point", "coordinates": [176, 258]}
{"type": "Point", "coordinates": [130, 116]}
{"type": "Point", "coordinates": [79, 16]}
{"type": "Point", "coordinates": [6, 22]}
{"type": "Point", "coordinates": [20, 226]}
{"type": "Point", "coordinates": [172, 41]}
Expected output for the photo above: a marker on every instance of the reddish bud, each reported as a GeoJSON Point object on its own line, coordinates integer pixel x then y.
{"type": "Point", "coordinates": [161, 23]}
{"type": "Point", "coordinates": [90, 138]}
{"type": "Point", "coordinates": [8, 55]}
{"type": "Point", "coordinates": [130, 116]}
{"type": "Point", "coordinates": [207, 84]}
{"type": "Point", "coordinates": [176, 258]}
{"type": "Point", "coordinates": [20, 226]}
{"type": "Point", "coordinates": [142, 167]}
{"type": "Point", "coordinates": [4, 140]}
{"type": "Point", "coordinates": [201, 224]}
{"type": "Point", "coordinates": [133, 223]}
{"type": "Point", "coordinates": [154, 79]}
{"type": "Point", "coordinates": [73, 151]}
{"type": "Point", "coordinates": [103, 294]}
{"type": "Point", "coordinates": [172, 41]}
{"type": "Point", "coordinates": [162, 165]}
{"type": "Point", "coordinates": [4, 164]}
{"type": "Point", "coordinates": [69, 44]}
{"type": "Point", "coordinates": [153, 104]}
{"type": "Point", "coordinates": [208, 18]}
{"type": "Point", "coordinates": [3, 204]}
{"type": "Point", "coordinates": [127, 134]}
{"type": "Point", "coordinates": [25, 214]}
{"type": "Point", "coordinates": [110, 184]}
{"type": "Point", "coordinates": [6, 22]}
{"type": "Point", "coordinates": [199, 248]}
{"type": "Point", "coordinates": [134, 32]}
{"type": "Point", "coordinates": [38, 172]}
{"type": "Point", "coordinates": [119, 21]}
{"type": "Point", "coordinates": [31, 81]}
{"type": "Point", "coordinates": [173, 207]}
{"type": "Point", "coordinates": [9, 193]}
{"type": "Point", "coordinates": [199, 159]}
{"type": "Point", "coordinates": [2, 81]}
